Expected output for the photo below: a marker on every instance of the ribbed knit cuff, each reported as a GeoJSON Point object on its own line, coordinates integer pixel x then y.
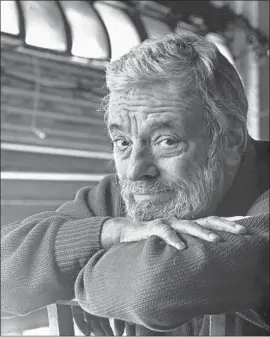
{"type": "Point", "coordinates": [76, 241]}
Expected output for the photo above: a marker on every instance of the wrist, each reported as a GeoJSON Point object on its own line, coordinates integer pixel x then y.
{"type": "Point", "coordinates": [111, 232]}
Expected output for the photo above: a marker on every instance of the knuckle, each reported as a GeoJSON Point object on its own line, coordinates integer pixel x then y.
{"type": "Point", "coordinates": [191, 225]}
{"type": "Point", "coordinates": [166, 229]}
{"type": "Point", "coordinates": [185, 224]}
{"type": "Point", "coordinates": [159, 228]}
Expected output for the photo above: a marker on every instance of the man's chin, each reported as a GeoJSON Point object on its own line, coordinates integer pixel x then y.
{"type": "Point", "coordinates": [148, 210]}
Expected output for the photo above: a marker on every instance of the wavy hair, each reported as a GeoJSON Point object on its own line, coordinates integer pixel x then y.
{"type": "Point", "coordinates": [194, 64]}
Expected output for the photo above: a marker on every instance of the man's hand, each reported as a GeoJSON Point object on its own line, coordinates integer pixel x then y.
{"type": "Point", "coordinates": [126, 230]}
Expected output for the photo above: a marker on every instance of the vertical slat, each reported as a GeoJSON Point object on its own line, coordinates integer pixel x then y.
{"type": "Point", "coordinates": [60, 320]}
{"type": "Point", "coordinates": [218, 325]}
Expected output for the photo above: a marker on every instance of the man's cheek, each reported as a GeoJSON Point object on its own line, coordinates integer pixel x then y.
{"type": "Point", "coordinates": [177, 170]}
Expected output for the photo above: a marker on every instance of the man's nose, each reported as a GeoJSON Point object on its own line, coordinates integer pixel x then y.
{"type": "Point", "coordinates": [141, 165]}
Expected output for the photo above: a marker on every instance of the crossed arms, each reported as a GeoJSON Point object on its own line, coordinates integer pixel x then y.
{"type": "Point", "coordinates": [154, 285]}
{"type": "Point", "coordinates": [145, 282]}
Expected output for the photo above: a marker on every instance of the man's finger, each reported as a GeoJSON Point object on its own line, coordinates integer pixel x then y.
{"type": "Point", "coordinates": [157, 228]}
{"type": "Point", "coordinates": [168, 235]}
{"type": "Point", "coordinates": [221, 224]}
{"type": "Point", "coordinates": [192, 228]}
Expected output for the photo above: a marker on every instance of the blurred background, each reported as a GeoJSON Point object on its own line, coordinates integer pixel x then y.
{"type": "Point", "coordinates": [53, 56]}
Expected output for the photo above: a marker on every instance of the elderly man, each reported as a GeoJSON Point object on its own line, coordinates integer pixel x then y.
{"type": "Point", "coordinates": [151, 246]}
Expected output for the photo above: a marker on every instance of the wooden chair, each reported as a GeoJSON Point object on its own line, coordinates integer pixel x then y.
{"type": "Point", "coordinates": [61, 320]}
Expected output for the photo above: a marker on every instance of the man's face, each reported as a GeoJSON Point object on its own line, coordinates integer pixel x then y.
{"type": "Point", "coordinates": [161, 154]}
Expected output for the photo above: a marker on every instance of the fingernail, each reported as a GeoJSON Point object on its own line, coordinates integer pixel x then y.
{"type": "Point", "coordinates": [180, 246]}
{"type": "Point", "coordinates": [214, 237]}
{"type": "Point", "coordinates": [240, 228]}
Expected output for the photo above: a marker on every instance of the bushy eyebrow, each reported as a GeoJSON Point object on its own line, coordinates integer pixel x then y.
{"type": "Point", "coordinates": [172, 124]}
{"type": "Point", "coordinates": [115, 127]}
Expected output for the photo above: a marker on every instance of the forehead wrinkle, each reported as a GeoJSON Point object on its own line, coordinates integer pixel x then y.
{"type": "Point", "coordinates": [184, 127]}
{"type": "Point", "coordinates": [146, 109]}
{"type": "Point", "coordinates": [167, 121]}
{"type": "Point", "coordinates": [134, 125]}
{"type": "Point", "coordinates": [145, 105]}
{"type": "Point", "coordinates": [117, 121]}
{"type": "Point", "coordinates": [147, 122]}
{"type": "Point", "coordinates": [124, 121]}
{"type": "Point", "coordinates": [152, 99]}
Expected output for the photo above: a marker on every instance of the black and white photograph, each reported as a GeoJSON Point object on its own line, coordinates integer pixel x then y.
{"type": "Point", "coordinates": [134, 168]}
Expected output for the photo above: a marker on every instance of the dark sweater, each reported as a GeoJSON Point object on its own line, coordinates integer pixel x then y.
{"type": "Point", "coordinates": [146, 283]}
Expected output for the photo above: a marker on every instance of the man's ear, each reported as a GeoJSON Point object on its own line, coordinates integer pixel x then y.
{"type": "Point", "coordinates": [234, 145]}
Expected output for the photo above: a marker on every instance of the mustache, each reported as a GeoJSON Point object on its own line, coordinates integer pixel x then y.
{"type": "Point", "coordinates": [147, 186]}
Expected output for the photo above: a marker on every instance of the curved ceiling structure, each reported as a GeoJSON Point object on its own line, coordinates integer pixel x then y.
{"type": "Point", "coordinates": [44, 25]}
{"type": "Point", "coordinates": [10, 23]}
{"type": "Point", "coordinates": [102, 30]}
{"type": "Point", "coordinates": [89, 36]}
{"type": "Point", "coordinates": [97, 30]}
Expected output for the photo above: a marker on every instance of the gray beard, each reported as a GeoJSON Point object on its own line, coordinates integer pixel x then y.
{"type": "Point", "coordinates": [193, 199]}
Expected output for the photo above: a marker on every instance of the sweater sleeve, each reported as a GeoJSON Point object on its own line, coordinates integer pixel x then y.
{"type": "Point", "coordinates": [154, 285]}
{"type": "Point", "coordinates": [43, 254]}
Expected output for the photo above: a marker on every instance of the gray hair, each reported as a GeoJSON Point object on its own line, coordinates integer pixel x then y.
{"type": "Point", "coordinates": [194, 64]}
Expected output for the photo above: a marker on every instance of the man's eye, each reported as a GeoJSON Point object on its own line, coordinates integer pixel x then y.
{"type": "Point", "coordinates": [121, 144]}
{"type": "Point", "coordinates": [168, 142]}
